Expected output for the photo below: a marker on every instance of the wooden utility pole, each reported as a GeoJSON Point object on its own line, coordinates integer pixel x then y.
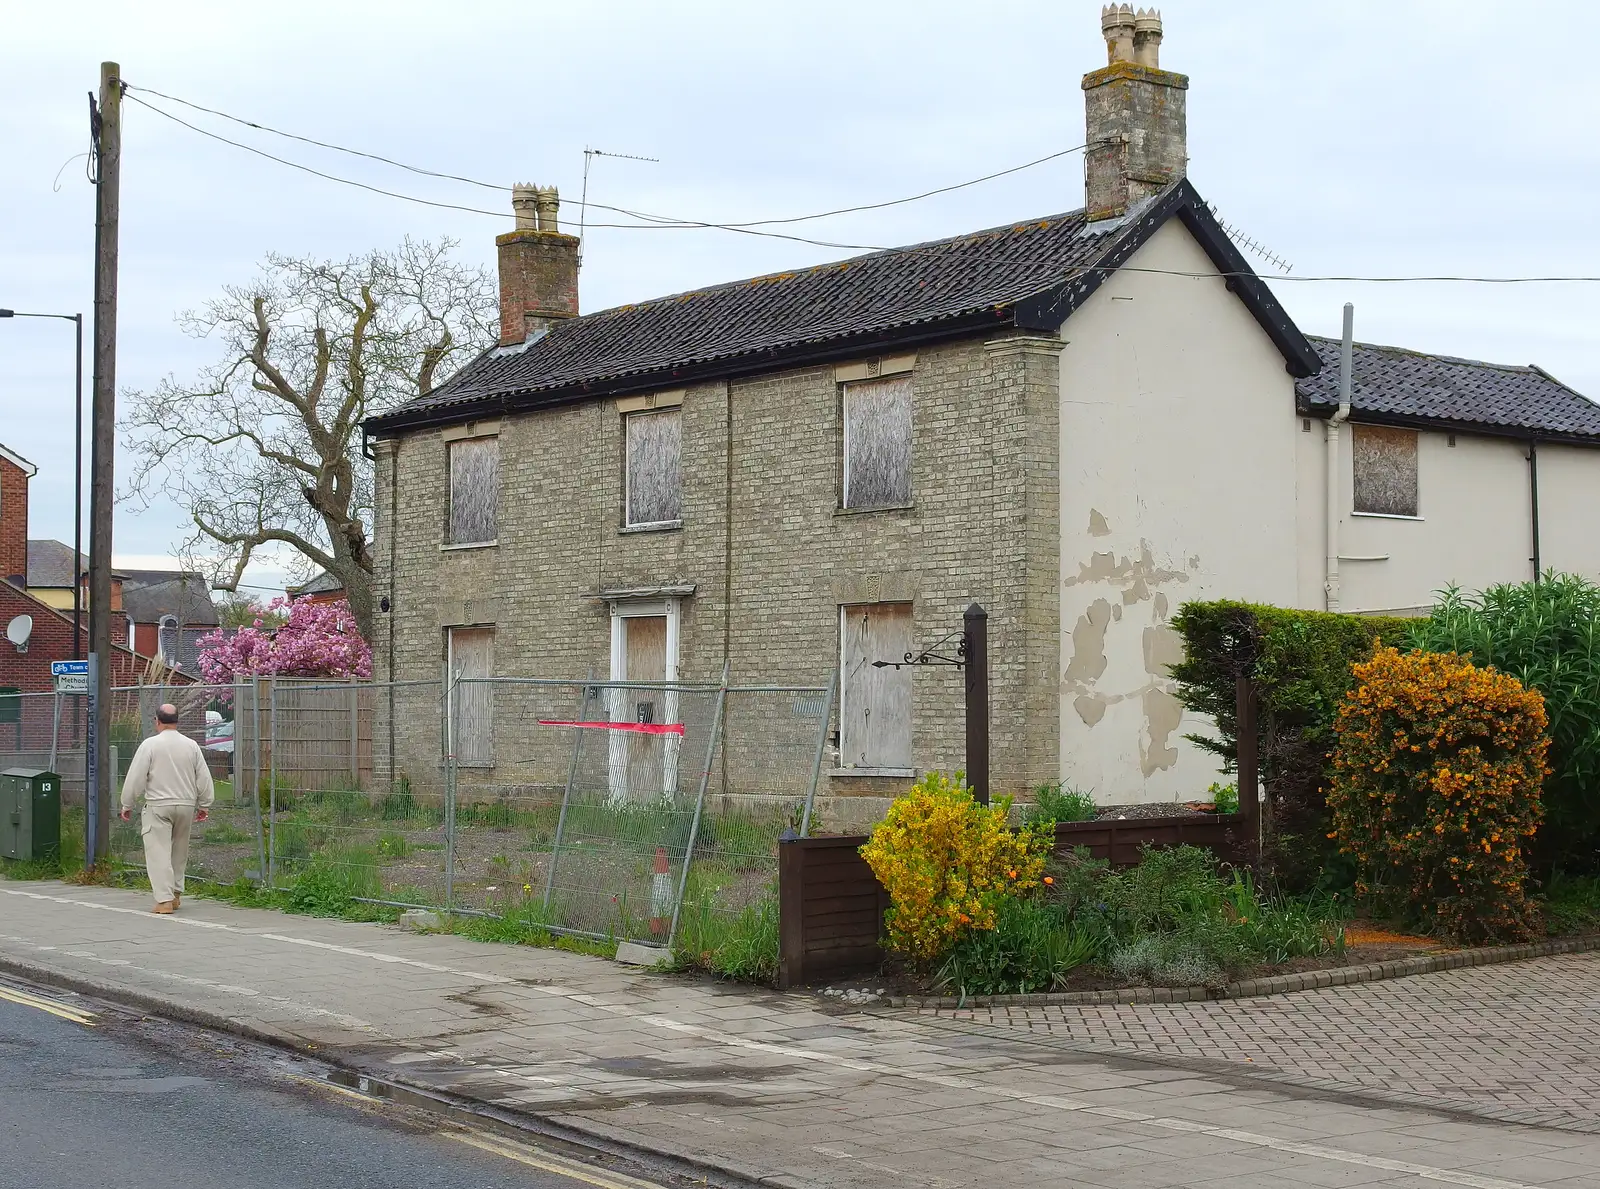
{"type": "Point", "coordinates": [108, 162]}
{"type": "Point", "coordinates": [975, 654]}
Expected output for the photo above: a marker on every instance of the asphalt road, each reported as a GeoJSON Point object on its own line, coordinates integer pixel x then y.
{"type": "Point", "coordinates": [118, 1101]}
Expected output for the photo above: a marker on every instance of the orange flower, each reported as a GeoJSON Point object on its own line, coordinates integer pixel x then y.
{"type": "Point", "coordinates": [1050, 881]}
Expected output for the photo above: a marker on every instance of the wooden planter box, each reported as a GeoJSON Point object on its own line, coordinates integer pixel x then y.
{"type": "Point", "coordinates": [831, 906]}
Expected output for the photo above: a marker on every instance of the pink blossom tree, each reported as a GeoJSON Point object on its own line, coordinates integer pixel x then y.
{"type": "Point", "coordinates": [316, 640]}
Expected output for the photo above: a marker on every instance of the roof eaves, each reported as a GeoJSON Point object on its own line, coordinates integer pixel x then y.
{"type": "Point", "coordinates": [1489, 429]}
{"type": "Point", "coordinates": [16, 460]}
{"type": "Point", "coordinates": [727, 366]}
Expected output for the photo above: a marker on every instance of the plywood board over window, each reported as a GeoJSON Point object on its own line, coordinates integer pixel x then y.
{"type": "Point", "coordinates": [474, 491]}
{"type": "Point", "coordinates": [875, 713]}
{"type": "Point", "coordinates": [471, 707]}
{"type": "Point", "coordinates": [655, 477]}
{"type": "Point", "coordinates": [877, 443]}
{"type": "Point", "coordinates": [1385, 462]}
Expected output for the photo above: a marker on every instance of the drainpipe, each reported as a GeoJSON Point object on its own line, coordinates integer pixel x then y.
{"type": "Point", "coordinates": [1330, 582]}
{"type": "Point", "coordinates": [1533, 502]}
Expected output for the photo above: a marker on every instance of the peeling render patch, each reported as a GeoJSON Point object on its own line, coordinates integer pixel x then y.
{"type": "Point", "coordinates": [1141, 573]}
{"type": "Point", "coordinates": [1163, 648]}
{"type": "Point", "coordinates": [1162, 714]}
{"type": "Point", "coordinates": [1135, 579]}
{"type": "Point", "coordinates": [1089, 644]}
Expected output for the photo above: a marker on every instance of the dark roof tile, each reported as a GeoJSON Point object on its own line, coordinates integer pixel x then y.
{"type": "Point", "coordinates": [1394, 383]}
{"type": "Point", "coordinates": [882, 292]}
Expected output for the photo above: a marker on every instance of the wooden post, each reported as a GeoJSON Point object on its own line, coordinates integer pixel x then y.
{"type": "Point", "coordinates": [975, 637]}
{"type": "Point", "coordinates": [791, 914]}
{"type": "Point", "coordinates": [1247, 744]}
{"type": "Point", "coordinates": [103, 444]}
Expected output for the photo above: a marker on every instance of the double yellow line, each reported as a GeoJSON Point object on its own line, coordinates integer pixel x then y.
{"type": "Point", "coordinates": [64, 1011]}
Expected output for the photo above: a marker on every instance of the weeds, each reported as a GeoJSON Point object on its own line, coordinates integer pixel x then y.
{"type": "Point", "coordinates": [1057, 803]}
{"type": "Point", "coordinates": [740, 945]}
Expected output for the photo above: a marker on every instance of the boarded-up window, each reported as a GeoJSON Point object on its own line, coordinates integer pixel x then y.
{"type": "Point", "coordinates": [471, 697]}
{"type": "Point", "coordinates": [655, 480]}
{"type": "Point", "coordinates": [1385, 470]}
{"type": "Point", "coordinates": [474, 491]}
{"type": "Point", "coordinates": [877, 443]}
{"type": "Point", "coordinates": [875, 714]}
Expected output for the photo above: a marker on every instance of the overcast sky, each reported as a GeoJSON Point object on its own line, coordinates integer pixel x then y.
{"type": "Point", "coordinates": [1349, 137]}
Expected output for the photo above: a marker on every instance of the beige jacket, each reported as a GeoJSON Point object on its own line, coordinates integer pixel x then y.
{"type": "Point", "coordinates": [169, 767]}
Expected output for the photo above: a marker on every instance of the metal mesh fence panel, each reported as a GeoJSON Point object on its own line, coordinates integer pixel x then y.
{"type": "Point", "coordinates": [229, 845]}
{"type": "Point", "coordinates": [339, 823]}
{"type": "Point", "coordinates": [762, 783]}
{"type": "Point", "coordinates": [617, 810]}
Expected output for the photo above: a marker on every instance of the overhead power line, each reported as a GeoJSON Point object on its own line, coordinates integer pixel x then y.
{"type": "Point", "coordinates": [653, 222]}
{"type": "Point", "coordinates": [659, 219]}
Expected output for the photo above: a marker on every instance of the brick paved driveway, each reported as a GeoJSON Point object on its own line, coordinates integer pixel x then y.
{"type": "Point", "coordinates": [1519, 1042]}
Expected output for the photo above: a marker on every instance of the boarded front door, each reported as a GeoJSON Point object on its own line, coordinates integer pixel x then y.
{"type": "Point", "coordinates": [472, 704]}
{"type": "Point", "coordinates": [875, 716]}
{"type": "Point", "coordinates": [640, 762]}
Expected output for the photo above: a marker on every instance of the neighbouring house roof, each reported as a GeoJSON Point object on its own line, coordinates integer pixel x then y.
{"type": "Point", "coordinates": [50, 564]}
{"type": "Point", "coordinates": [37, 607]}
{"type": "Point", "coordinates": [149, 595]}
{"type": "Point", "coordinates": [1409, 387]}
{"type": "Point", "coordinates": [1029, 275]}
{"type": "Point", "coordinates": [323, 583]}
{"type": "Point", "coordinates": [17, 460]}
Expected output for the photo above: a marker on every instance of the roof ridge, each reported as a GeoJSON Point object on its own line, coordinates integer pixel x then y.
{"type": "Point", "coordinates": [783, 274]}
{"type": "Point", "coordinates": [1524, 368]}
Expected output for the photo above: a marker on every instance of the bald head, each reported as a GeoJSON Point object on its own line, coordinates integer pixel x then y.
{"type": "Point", "coordinates": [166, 716]}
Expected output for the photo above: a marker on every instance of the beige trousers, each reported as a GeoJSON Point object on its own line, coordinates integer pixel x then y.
{"type": "Point", "coordinates": [165, 826]}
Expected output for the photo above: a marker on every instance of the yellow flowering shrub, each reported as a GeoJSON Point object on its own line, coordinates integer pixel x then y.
{"type": "Point", "coordinates": [1435, 790]}
{"type": "Point", "coordinates": [948, 863]}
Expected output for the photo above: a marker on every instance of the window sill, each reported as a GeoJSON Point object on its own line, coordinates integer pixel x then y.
{"type": "Point", "coordinates": [870, 511]}
{"type": "Point", "coordinates": [463, 545]}
{"type": "Point", "coordinates": [660, 526]}
{"type": "Point", "coordinates": [1387, 516]}
{"type": "Point", "coordinates": [887, 773]}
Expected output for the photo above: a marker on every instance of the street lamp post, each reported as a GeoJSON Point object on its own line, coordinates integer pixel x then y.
{"type": "Point", "coordinates": [77, 476]}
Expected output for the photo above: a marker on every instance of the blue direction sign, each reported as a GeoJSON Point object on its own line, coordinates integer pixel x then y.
{"type": "Point", "coordinates": [72, 677]}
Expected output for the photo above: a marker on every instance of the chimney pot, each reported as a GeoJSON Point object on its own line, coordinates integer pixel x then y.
{"type": "Point", "coordinates": [1147, 38]}
{"type": "Point", "coordinates": [548, 199]}
{"type": "Point", "coordinates": [525, 205]}
{"type": "Point", "coordinates": [1117, 23]}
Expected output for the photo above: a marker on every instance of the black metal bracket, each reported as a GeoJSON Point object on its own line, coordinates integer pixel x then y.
{"type": "Point", "coordinates": [932, 655]}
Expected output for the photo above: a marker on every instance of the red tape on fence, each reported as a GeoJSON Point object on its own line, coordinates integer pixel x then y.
{"type": "Point", "coordinates": [638, 728]}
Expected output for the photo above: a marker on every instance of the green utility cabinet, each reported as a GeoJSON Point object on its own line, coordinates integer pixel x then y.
{"type": "Point", "coordinates": [30, 814]}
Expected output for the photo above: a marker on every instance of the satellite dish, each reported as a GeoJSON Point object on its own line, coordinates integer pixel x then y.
{"type": "Point", "coordinates": [19, 631]}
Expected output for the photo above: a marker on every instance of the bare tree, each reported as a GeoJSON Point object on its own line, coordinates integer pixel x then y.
{"type": "Point", "coordinates": [264, 447]}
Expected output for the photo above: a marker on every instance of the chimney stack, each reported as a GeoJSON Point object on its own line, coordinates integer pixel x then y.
{"type": "Point", "coordinates": [1135, 116]}
{"type": "Point", "coordinates": [538, 267]}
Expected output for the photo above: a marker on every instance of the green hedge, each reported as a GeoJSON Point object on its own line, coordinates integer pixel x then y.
{"type": "Point", "coordinates": [1300, 664]}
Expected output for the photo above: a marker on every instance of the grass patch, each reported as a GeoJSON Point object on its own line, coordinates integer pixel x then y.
{"type": "Point", "coordinates": [527, 924]}
{"type": "Point", "coordinates": [741, 945]}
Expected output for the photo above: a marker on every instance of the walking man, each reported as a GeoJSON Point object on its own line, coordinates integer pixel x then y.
{"type": "Point", "coordinates": [169, 770]}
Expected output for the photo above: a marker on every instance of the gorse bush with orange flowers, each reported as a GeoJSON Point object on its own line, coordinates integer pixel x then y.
{"type": "Point", "coordinates": [1435, 790]}
{"type": "Point", "coordinates": [948, 864]}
